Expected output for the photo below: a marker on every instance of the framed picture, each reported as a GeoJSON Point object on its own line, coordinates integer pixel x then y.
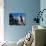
{"type": "Point", "coordinates": [17, 19]}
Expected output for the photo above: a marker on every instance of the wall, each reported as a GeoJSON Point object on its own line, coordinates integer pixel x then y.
{"type": "Point", "coordinates": [43, 6]}
{"type": "Point", "coordinates": [30, 7]}
{"type": "Point", "coordinates": [1, 21]}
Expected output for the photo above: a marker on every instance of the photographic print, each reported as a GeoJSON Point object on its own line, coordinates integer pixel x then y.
{"type": "Point", "coordinates": [17, 19]}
